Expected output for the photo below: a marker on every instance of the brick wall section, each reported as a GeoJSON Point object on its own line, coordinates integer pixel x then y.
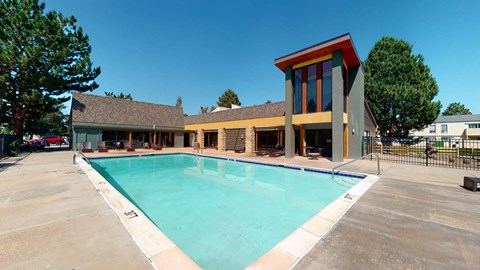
{"type": "Point", "coordinates": [222, 140]}
{"type": "Point", "coordinates": [201, 138]}
{"type": "Point", "coordinates": [249, 140]}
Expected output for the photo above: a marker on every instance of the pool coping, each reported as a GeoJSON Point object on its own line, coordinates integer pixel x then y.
{"type": "Point", "coordinates": [163, 253]}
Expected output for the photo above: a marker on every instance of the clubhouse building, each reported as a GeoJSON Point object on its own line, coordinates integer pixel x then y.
{"type": "Point", "coordinates": [324, 110]}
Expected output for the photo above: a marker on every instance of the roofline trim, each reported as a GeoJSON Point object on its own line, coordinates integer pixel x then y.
{"type": "Point", "coordinates": [317, 46]}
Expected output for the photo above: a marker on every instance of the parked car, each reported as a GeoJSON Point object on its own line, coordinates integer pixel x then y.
{"type": "Point", "coordinates": [49, 139]}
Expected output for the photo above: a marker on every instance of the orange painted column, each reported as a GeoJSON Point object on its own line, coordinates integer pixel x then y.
{"type": "Point", "coordinates": [154, 137]}
{"type": "Point", "coordinates": [301, 148]}
{"type": "Point", "coordinates": [130, 136]}
{"type": "Point", "coordinates": [345, 141]}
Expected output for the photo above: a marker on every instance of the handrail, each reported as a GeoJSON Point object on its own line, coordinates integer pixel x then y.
{"type": "Point", "coordinates": [351, 161]}
{"type": "Point", "coordinates": [81, 154]}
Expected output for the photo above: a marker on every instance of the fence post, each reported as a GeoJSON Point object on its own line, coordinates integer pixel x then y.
{"type": "Point", "coordinates": [427, 142]}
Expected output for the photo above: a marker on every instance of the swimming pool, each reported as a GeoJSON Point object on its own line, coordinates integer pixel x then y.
{"type": "Point", "coordinates": [223, 214]}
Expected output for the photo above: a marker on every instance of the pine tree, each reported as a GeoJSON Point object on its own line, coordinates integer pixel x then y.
{"type": "Point", "coordinates": [456, 108]}
{"type": "Point", "coordinates": [42, 55]}
{"type": "Point", "coordinates": [228, 98]}
{"type": "Point", "coordinates": [399, 88]}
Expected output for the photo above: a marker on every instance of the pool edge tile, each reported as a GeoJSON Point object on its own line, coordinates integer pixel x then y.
{"type": "Point", "coordinates": [298, 242]}
{"type": "Point", "coordinates": [275, 258]}
{"type": "Point", "coordinates": [318, 226]}
{"type": "Point", "coordinates": [174, 258]}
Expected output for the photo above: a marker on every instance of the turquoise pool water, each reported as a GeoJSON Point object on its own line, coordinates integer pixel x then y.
{"type": "Point", "coordinates": [223, 214]}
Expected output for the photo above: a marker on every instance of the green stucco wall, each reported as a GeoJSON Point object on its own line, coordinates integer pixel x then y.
{"type": "Point", "coordinates": [80, 135]}
{"type": "Point", "coordinates": [179, 139]}
{"type": "Point", "coordinates": [289, 130]}
{"type": "Point", "coordinates": [356, 111]}
{"type": "Point", "coordinates": [337, 107]}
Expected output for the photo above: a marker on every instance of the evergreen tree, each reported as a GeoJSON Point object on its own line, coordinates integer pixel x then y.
{"type": "Point", "coordinates": [228, 98]}
{"type": "Point", "coordinates": [203, 109]}
{"type": "Point", "coordinates": [399, 88]}
{"type": "Point", "coordinates": [121, 95]}
{"type": "Point", "coordinates": [456, 108]}
{"type": "Point", "coordinates": [179, 102]}
{"type": "Point", "coordinates": [41, 55]}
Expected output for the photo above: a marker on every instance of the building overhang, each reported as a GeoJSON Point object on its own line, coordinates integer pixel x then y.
{"type": "Point", "coordinates": [343, 43]}
{"type": "Point", "coordinates": [108, 126]}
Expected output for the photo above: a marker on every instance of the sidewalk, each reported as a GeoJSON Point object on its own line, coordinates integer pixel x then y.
{"type": "Point", "coordinates": [51, 217]}
{"type": "Point", "coordinates": [414, 217]}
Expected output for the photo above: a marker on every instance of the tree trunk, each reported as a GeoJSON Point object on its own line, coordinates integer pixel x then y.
{"type": "Point", "coordinates": [18, 118]}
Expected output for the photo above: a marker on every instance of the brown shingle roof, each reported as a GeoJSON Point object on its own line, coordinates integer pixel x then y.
{"type": "Point", "coordinates": [108, 110]}
{"type": "Point", "coordinates": [251, 112]}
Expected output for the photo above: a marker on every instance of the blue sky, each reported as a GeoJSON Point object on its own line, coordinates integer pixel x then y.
{"type": "Point", "coordinates": [158, 50]}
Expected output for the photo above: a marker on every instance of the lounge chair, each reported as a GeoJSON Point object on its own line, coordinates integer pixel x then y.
{"type": "Point", "coordinates": [101, 147]}
{"type": "Point", "coordinates": [128, 146]}
{"type": "Point", "coordinates": [240, 150]}
{"type": "Point", "coordinates": [276, 153]}
{"type": "Point", "coordinates": [154, 146]}
{"type": "Point", "coordinates": [87, 147]}
{"type": "Point", "coordinates": [261, 153]}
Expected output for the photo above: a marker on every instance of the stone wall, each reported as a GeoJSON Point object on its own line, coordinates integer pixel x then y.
{"type": "Point", "coordinates": [249, 140]}
{"type": "Point", "coordinates": [201, 138]}
{"type": "Point", "coordinates": [222, 140]}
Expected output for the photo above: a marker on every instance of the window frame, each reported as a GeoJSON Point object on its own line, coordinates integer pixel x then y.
{"type": "Point", "coordinates": [442, 130]}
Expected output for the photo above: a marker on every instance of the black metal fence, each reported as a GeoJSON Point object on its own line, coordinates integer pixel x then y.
{"type": "Point", "coordinates": [5, 140]}
{"type": "Point", "coordinates": [452, 153]}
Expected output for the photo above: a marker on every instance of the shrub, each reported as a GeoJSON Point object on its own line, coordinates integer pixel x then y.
{"type": "Point", "coordinates": [13, 148]}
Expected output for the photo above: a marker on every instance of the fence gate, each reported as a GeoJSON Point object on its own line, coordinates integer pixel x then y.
{"type": "Point", "coordinates": [451, 153]}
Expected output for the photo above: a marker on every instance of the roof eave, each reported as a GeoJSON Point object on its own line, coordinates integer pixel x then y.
{"type": "Point", "coordinates": [326, 47]}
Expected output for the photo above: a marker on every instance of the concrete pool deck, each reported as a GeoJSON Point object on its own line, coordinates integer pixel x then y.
{"type": "Point", "coordinates": [413, 217]}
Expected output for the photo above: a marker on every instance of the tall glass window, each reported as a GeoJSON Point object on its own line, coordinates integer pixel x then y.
{"type": "Point", "coordinates": [327, 85]}
{"type": "Point", "coordinates": [312, 88]}
{"type": "Point", "coordinates": [297, 91]}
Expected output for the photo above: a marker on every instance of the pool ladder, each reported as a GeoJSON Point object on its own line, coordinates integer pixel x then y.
{"type": "Point", "coordinates": [351, 161]}
{"type": "Point", "coordinates": [81, 154]}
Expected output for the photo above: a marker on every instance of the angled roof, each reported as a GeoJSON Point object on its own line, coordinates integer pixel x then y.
{"type": "Point", "coordinates": [458, 118]}
{"type": "Point", "coordinates": [251, 112]}
{"type": "Point", "coordinates": [343, 43]}
{"type": "Point", "coordinates": [369, 112]}
{"type": "Point", "coordinates": [117, 111]}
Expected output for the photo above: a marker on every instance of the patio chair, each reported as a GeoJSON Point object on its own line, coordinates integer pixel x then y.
{"type": "Point", "coordinates": [87, 147]}
{"type": "Point", "coordinates": [128, 146]}
{"type": "Point", "coordinates": [101, 147]}
{"type": "Point", "coordinates": [154, 146]}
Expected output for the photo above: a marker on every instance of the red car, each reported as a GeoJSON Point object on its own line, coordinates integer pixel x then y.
{"type": "Point", "coordinates": [50, 139]}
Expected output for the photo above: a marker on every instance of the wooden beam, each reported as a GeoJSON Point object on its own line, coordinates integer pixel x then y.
{"type": "Point", "coordinates": [301, 140]}
{"type": "Point", "coordinates": [345, 141]}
